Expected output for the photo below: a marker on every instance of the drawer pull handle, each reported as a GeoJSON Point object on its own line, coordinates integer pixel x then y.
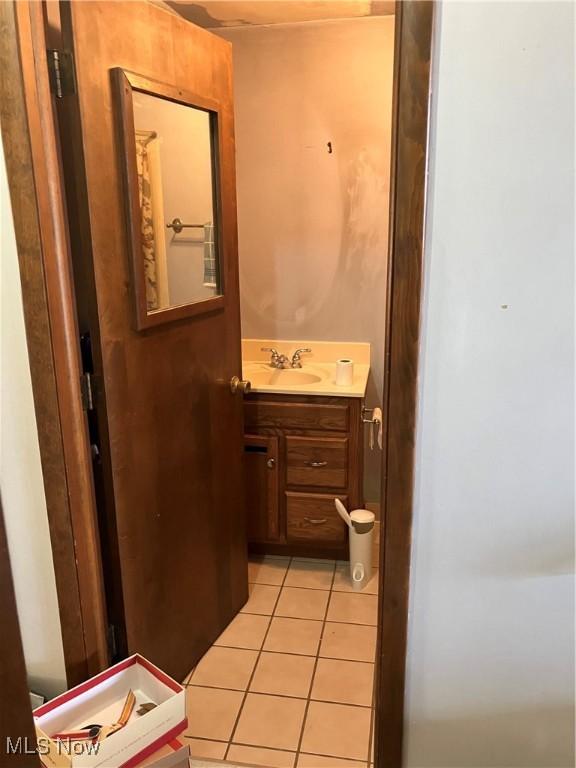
{"type": "Point", "coordinates": [317, 464]}
{"type": "Point", "coordinates": [316, 520]}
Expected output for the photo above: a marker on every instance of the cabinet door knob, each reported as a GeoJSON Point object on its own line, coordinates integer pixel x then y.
{"type": "Point", "coordinates": [316, 520]}
{"type": "Point", "coordinates": [317, 464]}
{"type": "Point", "coordinates": [271, 463]}
{"type": "Point", "coordinates": [239, 385]}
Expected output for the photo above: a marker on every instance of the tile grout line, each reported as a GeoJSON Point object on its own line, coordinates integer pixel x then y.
{"type": "Point", "coordinates": [307, 707]}
{"type": "Point", "coordinates": [233, 731]}
{"type": "Point", "coordinates": [203, 738]}
{"type": "Point", "coordinates": [283, 653]}
{"type": "Point", "coordinates": [347, 591]}
{"type": "Point", "coordinates": [372, 715]}
{"type": "Point", "coordinates": [299, 618]}
{"type": "Point", "coordinates": [371, 734]}
{"type": "Point", "coordinates": [285, 695]}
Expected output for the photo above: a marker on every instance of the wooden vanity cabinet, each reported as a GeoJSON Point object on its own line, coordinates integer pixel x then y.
{"type": "Point", "coordinates": [300, 453]}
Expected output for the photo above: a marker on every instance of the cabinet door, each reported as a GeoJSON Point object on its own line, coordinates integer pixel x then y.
{"type": "Point", "coordinates": [261, 487]}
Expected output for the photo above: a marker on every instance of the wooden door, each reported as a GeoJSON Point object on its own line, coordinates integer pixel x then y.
{"type": "Point", "coordinates": [169, 429]}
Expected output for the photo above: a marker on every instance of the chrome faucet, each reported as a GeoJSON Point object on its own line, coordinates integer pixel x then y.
{"type": "Point", "coordinates": [280, 361]}
{"type": "Point", "coordinates": [297, 357]}
{"type": "Point", "coordinates": [276, 359]}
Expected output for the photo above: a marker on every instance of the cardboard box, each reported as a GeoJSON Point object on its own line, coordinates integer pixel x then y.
{"type": "Point", "coordinates": [100, 701]}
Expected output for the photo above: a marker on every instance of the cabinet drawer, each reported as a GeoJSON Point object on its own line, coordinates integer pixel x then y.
{"type": "Point", "coordinates": [313, 517]}
{"type": "Point", "coordinates": [333, 417]}
{"type": "Point", "coordinates": [321, 462]}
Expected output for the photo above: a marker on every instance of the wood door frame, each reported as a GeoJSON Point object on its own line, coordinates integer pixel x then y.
{"type": "Point", "coordinates": [411, 103]}
{"type": "Point", "coordinates": [39, 217]}
{"type": "Point", "coordinates": [38, 210]}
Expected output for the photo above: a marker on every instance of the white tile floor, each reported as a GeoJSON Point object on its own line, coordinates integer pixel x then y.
{"type": "Point", "coordinates": [289, 683]}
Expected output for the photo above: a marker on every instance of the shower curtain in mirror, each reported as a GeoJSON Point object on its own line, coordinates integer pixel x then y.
{"type": "Point", "coordinates": [147, 225]}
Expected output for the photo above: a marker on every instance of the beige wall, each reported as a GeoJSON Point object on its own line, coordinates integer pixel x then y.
{"type": "Point", "coordinates": [313, 226]}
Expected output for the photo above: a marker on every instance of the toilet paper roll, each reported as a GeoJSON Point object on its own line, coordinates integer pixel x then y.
{"type": "Point", "coordinates": [344, 372]}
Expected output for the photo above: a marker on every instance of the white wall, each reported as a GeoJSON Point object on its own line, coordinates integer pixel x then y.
{"type": "Point", "coordinates": [21, 485]}
{"type": "Point", "coordinates": [313, 225]}
{"type": "Point", "coordinates": [491, 633]}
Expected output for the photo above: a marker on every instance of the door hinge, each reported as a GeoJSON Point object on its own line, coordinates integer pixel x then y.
{"type": "Point", "coordinates": [87, 391]}
{"type": "Point", "coordinates": [62, 75]}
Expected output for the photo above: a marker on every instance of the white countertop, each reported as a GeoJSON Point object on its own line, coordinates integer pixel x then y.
{"type": "Point", "coordinates": [318, 373]}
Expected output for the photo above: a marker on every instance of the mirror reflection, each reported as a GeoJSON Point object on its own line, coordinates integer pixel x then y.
{"type": "Point", "coordinates": [174, 159]}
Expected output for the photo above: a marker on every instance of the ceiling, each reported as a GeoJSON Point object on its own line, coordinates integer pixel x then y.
{"type": "Point", "coordinates": [214, 14]}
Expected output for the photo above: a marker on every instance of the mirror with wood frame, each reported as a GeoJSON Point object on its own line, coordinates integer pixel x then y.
{"type": "Point", "coordinates": [168, 144]}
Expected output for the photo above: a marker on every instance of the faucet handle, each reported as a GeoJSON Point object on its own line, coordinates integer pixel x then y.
{"type": "Point", "coordinates": [274, 352]}
{"type": "Point", "coordinates": [297, 357]}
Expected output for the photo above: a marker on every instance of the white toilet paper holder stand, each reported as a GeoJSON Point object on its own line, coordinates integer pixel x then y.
{"type": "Point", "coordinates": [375, 421]}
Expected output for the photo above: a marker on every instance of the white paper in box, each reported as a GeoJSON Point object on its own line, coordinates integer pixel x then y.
{"type": "Point", "coordinates": [100, 701]}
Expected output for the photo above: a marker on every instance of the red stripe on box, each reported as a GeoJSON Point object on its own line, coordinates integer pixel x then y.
{"type": "Point", "coordinates": [168, 682]}
{"type": "Point", "coordinates": [167, 738]}
{"type": "Point", "coordinates": [110, 672]}
{"type": "Point", "coordinates": [83, 687]}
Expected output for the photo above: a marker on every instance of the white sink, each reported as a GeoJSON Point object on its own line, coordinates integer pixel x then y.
{"type": "Point", "coordinates": [317, 377]}
{"type": "Point", "coordinates": [284, 377]}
